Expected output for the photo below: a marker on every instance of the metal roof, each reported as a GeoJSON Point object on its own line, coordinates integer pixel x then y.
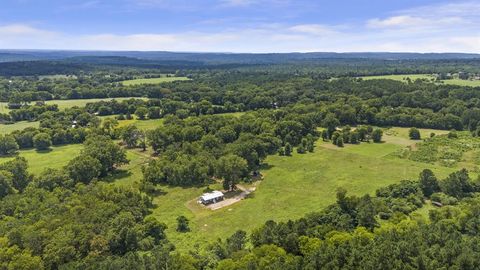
{"type": "Point", "coordinates": [212, 195]}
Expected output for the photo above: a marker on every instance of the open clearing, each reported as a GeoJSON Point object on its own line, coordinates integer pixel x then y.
{"type": "Point", "coordinates": [5, 129]}
{"type": "Point", "coordinates": [430, 77]}
{"type": "Point", "coordinates": [69, 103]}
{"type": "Point", "coordinates": [57, 157]}
{"type": "Point", "coordinates": [154, 123]}
{"type": "Point", "coordinates": [153, 80]}
{"type": "Point", "coordinates": [292, 186]}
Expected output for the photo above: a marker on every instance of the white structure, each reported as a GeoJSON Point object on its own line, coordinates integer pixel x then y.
{"type": "Point", "coordinates": [212, 197]}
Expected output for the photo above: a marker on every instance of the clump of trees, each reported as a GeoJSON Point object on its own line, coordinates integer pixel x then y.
{"type": "Point", "coordinates": [8, 145]}
{"type": "Point", "coordinates": [42, 141]}
{"type": "Point", "coordinates": [353, 136]}
{"type": "Point", "coordinates": [194, 151]}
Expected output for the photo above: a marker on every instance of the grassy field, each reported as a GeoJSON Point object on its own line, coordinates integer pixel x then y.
{"type": "Point", "coordinates": [5, 129]}
{"type": "Point", "coordinates": [153, 80]}
{"type": "Point", "coordinates": [58, 157]}
{"type": "Point", "coordinates": [472, 83]}
{"type": "Point", "coordinates": [430, 77]}
{"type": "Point", "coordinates": [4, 108]}
{"type": "Point", "coordinates": [154, 123]}
{"type": "Point", "coordinates": [412, 77]}
{"type": "Point", "coordinates": [64, 104]}
{"type": "Point", "coordinates": [292, 187]}
{"type": "Point", "coordinates": [68, 103]}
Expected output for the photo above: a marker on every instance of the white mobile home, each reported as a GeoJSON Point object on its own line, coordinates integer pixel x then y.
{"type": "Point", "coordinates": [211, 197]}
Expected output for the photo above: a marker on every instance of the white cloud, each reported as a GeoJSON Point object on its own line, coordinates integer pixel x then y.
{"type": "Point", "coordinates": [415, 30]}
{"type": "Point", "coordinates": [397, 21]}
{"type": "Point", "coordinates": [20, 29]}
{"type": "Point", "coordinates": [313, 29]}
{"type": "Point", "coordinates": [237, 3]}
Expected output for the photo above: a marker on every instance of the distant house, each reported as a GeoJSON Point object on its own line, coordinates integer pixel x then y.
{"type": "Point", "coordinates": [437, 204]}
{"type": "Point", "coordinates": [211, 197]}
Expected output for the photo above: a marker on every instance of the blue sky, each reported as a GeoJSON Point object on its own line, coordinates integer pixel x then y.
{"type": "Point", "coordinates": [242, 25]}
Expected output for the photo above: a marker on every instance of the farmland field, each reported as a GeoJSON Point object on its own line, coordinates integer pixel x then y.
{"type": "Point", "coordinates": [5, 129]}
{"type": "Point", "coordinates": [69, 103]}
{"type": "Point", "coordinates": [292, 186]}
{"type": "Point", "coordinates": [154, 123]}
{"type": "Point", "coordinates": [154, 80]}
{"type": "Point", "coordinates": [401, 77]}
{"type": "Point", "coordinates": [413, 77]}
{"type": "Point", "coordinates": [56, 158]}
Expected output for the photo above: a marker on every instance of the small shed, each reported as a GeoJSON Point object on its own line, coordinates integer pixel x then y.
{"type": "Point", "coordinates": [211, 197]}
{"type": "Point", "coordinates": [437, 204]}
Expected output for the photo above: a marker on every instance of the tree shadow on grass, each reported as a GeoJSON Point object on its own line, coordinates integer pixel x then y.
{"type": "Point", "coordinates": [266, 166]}
{"type": "Point", "coordinates": [117, 175]}
{"type": "Point", "coordinates": [231, 194]}
{"type": "Point", "coordinates": [13, 155]}
{"type": "Point", "coordinates": [44, 151]}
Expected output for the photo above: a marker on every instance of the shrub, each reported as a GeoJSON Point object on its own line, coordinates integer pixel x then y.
{"type": "Point", "coordinates": [42, 141]}
{"type": "Point", "coordinates": [414, 134]}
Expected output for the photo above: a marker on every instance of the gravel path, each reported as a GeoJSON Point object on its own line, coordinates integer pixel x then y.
{"type": "Point", "coordinates": [232, 200]}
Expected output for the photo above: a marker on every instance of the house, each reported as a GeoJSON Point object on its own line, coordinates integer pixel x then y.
{"type": "Point", "coordinates": [211, 197]}
{"type": "Point", "coordinates": [437, 204]}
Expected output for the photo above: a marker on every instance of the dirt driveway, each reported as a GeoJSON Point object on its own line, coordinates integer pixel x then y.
{"type": "Point", "coordinates": [232, 200]}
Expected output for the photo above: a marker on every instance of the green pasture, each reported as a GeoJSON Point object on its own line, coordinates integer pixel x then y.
{"type": "Point", "coordinates": [69, 103]}
{"type": "Point", "coordinates": [292, 187]}
{"type": "Point", "coordinates": [57, 157]}
{"type": "Point", "coordinates": [430, 77]}
{"type": "Point", "coordinates": [153, 80]}
{"type": "Point", "coordinates": [6, 129]}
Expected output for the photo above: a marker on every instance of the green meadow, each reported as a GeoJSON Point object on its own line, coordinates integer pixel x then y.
{"type": "Point", "coordinates": [401, 77]}
{"type": "Point", "coordinates": [149, 124]}
{"type": "Point", "coordinates": [69, 103]}
{"type": "Point", "coordinates": [5, 129]}
{"type": "Point", "coordinates": [292, 186]}
{"type": "Point", "coordinates": [64, 104]}
{"type": "Point", "coordinates": [56, 158]}
{"type": "Point", "coordinates": [430, 77]}
{"type": "Point", "coordinates": [153, 80]}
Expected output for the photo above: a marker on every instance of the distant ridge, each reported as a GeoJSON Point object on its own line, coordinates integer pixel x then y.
{"type": "Point", "coordinates": [33, 55]}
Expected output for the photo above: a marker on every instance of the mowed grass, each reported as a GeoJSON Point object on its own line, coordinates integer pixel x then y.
{"type": "Point", "coordinates": [292, 187]}
{"type": "Point", "coordinates": [56, 158]}
{"type": "Point", "coordinates": [472, 83]}
{"type": "Point", "coordinates": [430, 77]}
{"type": "Point", "coordinates": [69, 103]}
{"type": "Point", "coordinates": [153, 80]}
{"type": "Point", "coordinates": [150, 124]}
{"type": "Point", "coordinates": [6, 129]}
{"type": "Point", "coordinates": [401, 77]}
